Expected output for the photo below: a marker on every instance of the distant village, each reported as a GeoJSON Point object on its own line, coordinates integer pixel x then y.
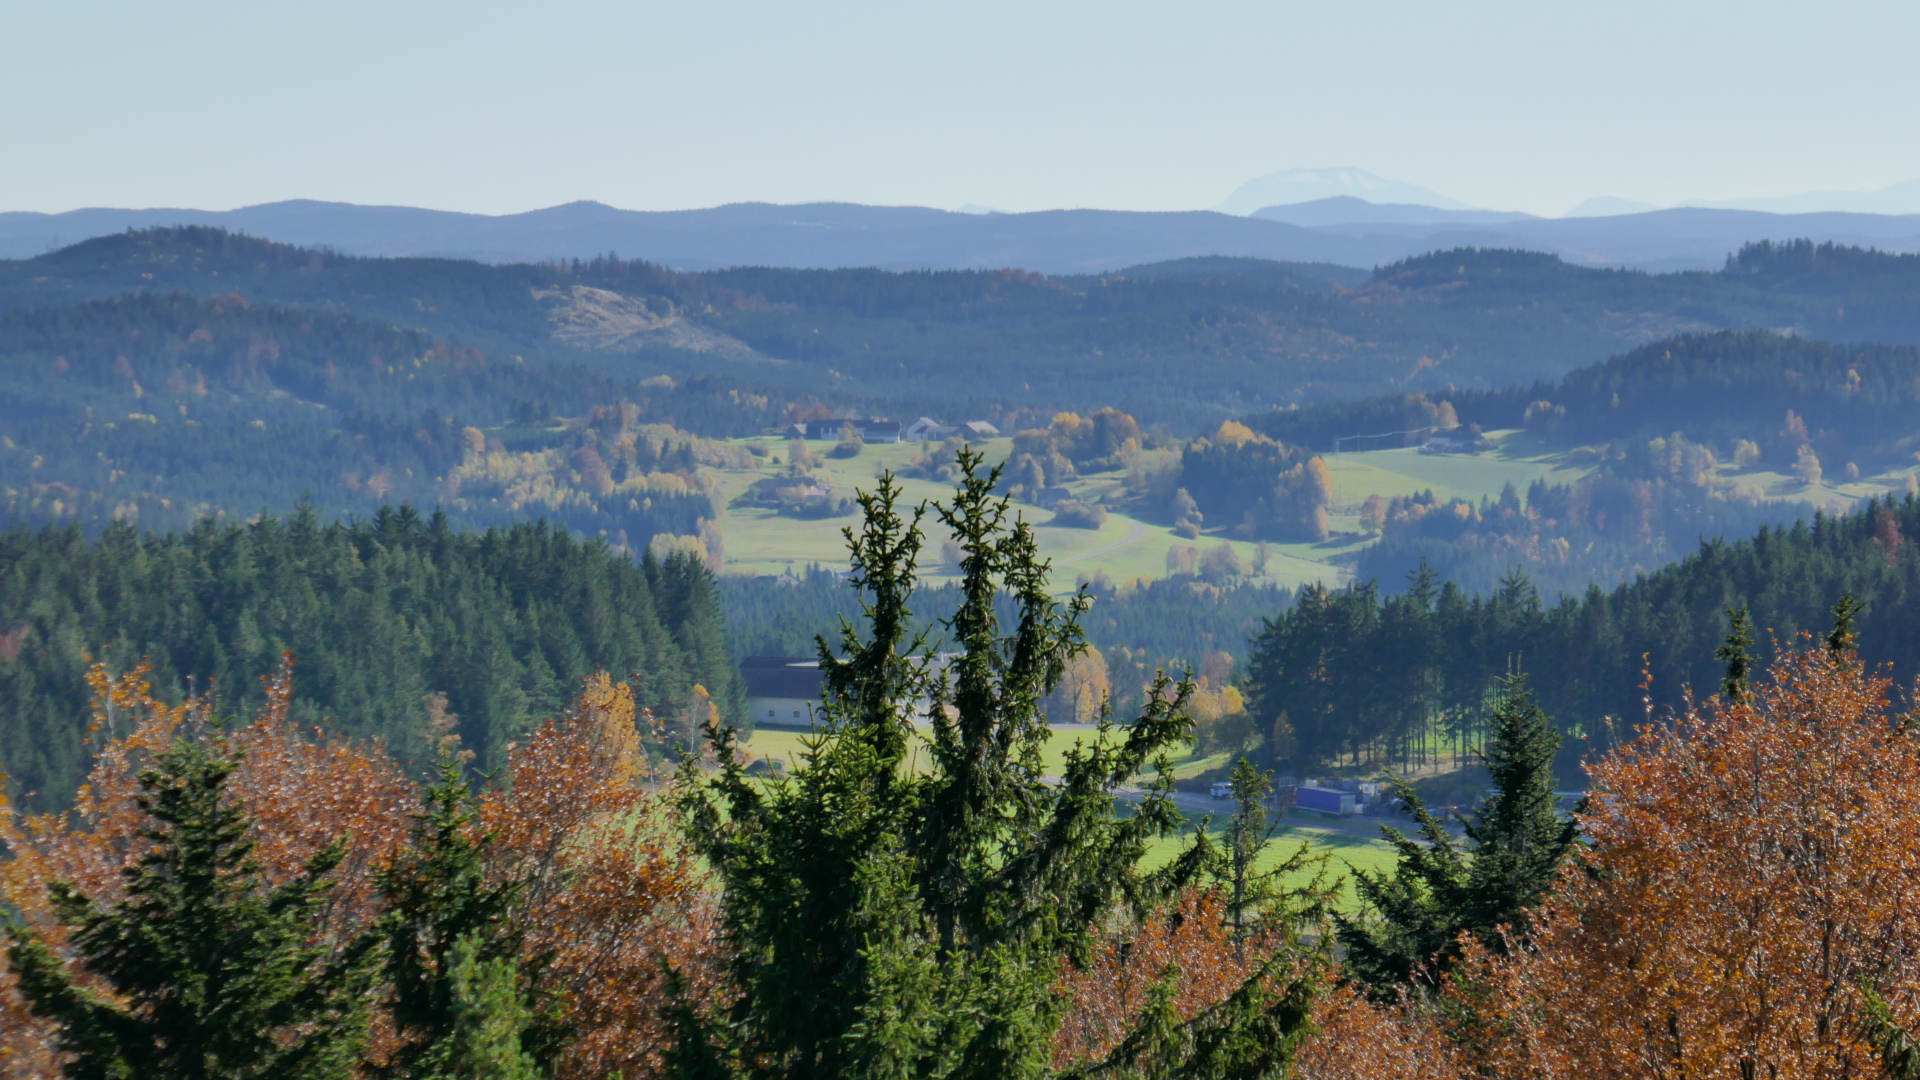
{"type": "Point", "coordinates": [924, 429]}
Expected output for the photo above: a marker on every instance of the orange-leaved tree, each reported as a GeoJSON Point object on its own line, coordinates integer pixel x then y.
{"type": "Point", "coordinates": [609, 893]}
{"type": "Point", "coordinates": [603, 892]}
{"type": "Point", "coordinates": [1750, 881]}
{"type": "Point", "coordinates": [1191, 944]}
{"type": "Point", "coordinates": [303, 791]}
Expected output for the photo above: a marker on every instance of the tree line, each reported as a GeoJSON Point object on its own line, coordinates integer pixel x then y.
{"type": "Point", "coordinates": [249, 896]}
{"type": "Point", "coordinates": [1184, 344]}
{"type": "Point", "coordinates": [1359, 673]}
{"type": "Point", "coordinates": [403, 625]}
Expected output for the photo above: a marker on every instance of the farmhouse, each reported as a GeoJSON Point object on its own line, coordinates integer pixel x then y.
{"type": "Point", "coordinates": [926, 429]}
{"type": "Point", "coordinates": [782, 690]}
{"type": "Point", "coordinates": [873, 431]}
{"type": "Point", "coordinates": [1473, 443]}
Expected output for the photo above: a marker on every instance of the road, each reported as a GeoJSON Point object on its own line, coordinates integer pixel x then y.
{"type": "Point", "coordinates": [1139, 531]}
{"type": "Point", "coordinates": [1364, 827]}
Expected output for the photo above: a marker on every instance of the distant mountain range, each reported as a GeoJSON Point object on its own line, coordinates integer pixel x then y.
{"type": "Point", "coordinates": [1316, 185]}
{"type": "Point", "coordinates": [1344, 230]}
{"type": "Point", "coordinates": [1294, 187]}
{"type": "Point", "coordinates": [1353, 210]}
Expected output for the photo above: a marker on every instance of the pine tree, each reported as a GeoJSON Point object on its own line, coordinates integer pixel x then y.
{"type": "Point", "coordinates": [1413, 914]}
{"type": "Point", "coordinates": [485, 1040]}
{"type": "Point", "coordinates": [1257, 901]}
{"type": "Point", "coordinates": [449, 933]}
{"type": "Point", "coordinates": [1514, 847]}
{"type": "Point", "coordinates": [888, 921]}
{"type": "Point", "coordinates": [1733, 652]}
{"type": "Point", "coordinates": [1899, 1053]}
{"type": "Point", "coordinates": [1519, 836]}
{"type": "Point", "coordinates": [1842, 640]}
{"type": "Point", "coordinates": [213, 973]}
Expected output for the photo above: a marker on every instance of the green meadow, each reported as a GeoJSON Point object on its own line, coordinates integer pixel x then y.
{"type": "Point", "coordinates": [762, 541]}
{"type": "Point", "coordinates": [1346, 851]}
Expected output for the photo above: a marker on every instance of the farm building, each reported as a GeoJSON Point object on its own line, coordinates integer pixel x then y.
{"type": "Point", "coordinates": [926, 429]}
{"type": "Point", "coordinates": [873, 431]}
{"type": "Point", "coordinates": [782, 690]}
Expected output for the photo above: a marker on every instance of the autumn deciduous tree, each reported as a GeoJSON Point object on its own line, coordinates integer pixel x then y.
{"type": "Point", "coordinates": [1082, 693]}
{"type": "Point", "coordinates": [609, 895]}
{"type": "Point", "coordinates": [575, 851]}
{"type": "Point", "coordinates": [1749, 885]}
{"type": "Point", "coordinates": [202, 968]}
{"type": "Point", "coordinates": [1357, 1038]}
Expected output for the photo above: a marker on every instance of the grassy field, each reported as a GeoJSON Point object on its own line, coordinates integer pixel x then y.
{"type": "Point", "coordinates": [786, 746]}
{"type": "Point", "coordinates": [1346, 851]}
{"type": "Point", "coordinates": [760, 541]}
{"type": "Point", "coordinates": [1518, 461]}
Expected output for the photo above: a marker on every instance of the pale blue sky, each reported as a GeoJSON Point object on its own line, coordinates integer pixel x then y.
{"type": "Point", "coordinates": [502, 107]}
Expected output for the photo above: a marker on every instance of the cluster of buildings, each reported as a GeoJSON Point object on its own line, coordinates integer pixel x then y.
{"type": "Point", "coordinates": [924, 429]}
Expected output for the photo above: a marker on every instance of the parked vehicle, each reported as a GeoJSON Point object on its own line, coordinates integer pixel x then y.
{"type": "Point", "coordinates": [1328, 801]}
{"type": "Point", "coordinates": [1222, 789]}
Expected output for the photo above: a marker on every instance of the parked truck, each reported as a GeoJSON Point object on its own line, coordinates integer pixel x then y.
{"type": "Point", "coordinates": [1329, 801]}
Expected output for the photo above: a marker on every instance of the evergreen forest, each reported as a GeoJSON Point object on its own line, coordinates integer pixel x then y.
{"type": "Point", "coordinates": [402, 629]}
{"type": "Point", "coordinates": [1181, 344]}
{"type": "Point", "coordinates": [236, 892]}
{"type": "Point", "coordinates": [1395, 677]}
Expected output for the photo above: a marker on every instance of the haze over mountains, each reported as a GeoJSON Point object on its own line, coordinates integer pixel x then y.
{"type": "Point", "coordinates": [828, 235]}
{"type": "Point", "coordinates": [1344, 216]}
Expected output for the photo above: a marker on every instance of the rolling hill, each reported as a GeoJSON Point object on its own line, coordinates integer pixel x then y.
{"type": "Point", "coordinates": [839, 235]}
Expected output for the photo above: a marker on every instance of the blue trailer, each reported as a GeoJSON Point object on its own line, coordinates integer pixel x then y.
{"type": "Point", "coordinates": [1328, 801]}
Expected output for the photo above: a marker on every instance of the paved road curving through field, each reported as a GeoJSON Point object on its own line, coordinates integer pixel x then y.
{"type": "Point", "coordinates": [1139, 531]}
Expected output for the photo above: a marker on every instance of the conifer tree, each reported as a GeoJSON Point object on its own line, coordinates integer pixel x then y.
{"type": "Point", "coordinates": [1842, 640]}
{"type": "Point", "coordinates": [893, 921]}
{"type": "Point", "coordinates": [1899, 1053]}
{"type": "Point", "coordinates": [1519, 836]}
{"type": "Point", "coordinates": [1733, 652]}
{"type": "Point", "coordinates": [485, 1040]}
{"type": "Point", "coordinates": [449, 934]}
{"type": "Point", "coordinates": [1257, 902]}
{"type": "Point", "coordinates": [1514, 847]}
{"type": "Point", "coordinates": [212, 972]}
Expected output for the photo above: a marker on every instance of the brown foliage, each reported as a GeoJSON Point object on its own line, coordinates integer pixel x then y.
{"type": "Point", "coordinates": [1751, 865]}
{"type": "Point", "coordinates": [1110, 991]}
{"type": "Point", "coordinates": [1356, 1039]}
{"type": "Point", "coordinates": [304, 790]}
{"type": "Point", "coordinates": [609, 894]}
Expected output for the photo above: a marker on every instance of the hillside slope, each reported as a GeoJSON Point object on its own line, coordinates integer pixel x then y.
{"type": "Point", "coordinates": [834, 235]}
{"type": "Point", "coordinates": [1182, 343]}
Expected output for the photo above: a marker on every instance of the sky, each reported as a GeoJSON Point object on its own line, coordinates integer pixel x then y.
{"type": "Point", "coordinates": [498, 108]}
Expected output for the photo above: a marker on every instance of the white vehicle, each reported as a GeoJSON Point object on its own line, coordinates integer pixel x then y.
{"type": "Point", "coordinates": [1223, 789]}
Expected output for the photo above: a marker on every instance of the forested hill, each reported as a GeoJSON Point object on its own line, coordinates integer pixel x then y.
{"type": "Point", "coordinates": [1851, 403]}
{"type": "Point", "coordinates": [1357, 671]}
{"type": "Point", "coordinates": [382, 616]}
{"type": "Point", "coordinates": [1181, 343]}
{"type": "Point", "coordinates": [162, 408]}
